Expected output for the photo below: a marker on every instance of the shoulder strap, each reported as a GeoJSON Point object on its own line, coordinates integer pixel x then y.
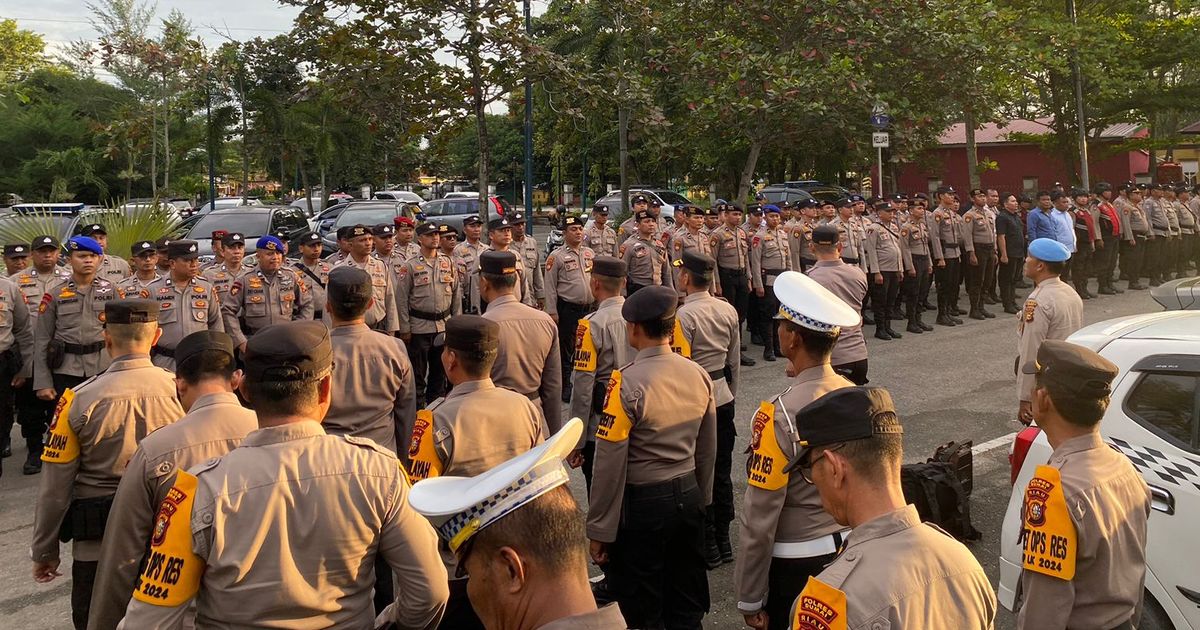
{"type": "Point", "coordinates": [312, 275]}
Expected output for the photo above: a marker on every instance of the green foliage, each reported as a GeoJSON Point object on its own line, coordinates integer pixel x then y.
{"type": "Point", "coordinates": [149, 222]}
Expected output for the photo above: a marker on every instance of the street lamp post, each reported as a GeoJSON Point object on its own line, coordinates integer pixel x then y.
{"type": "Point", "coordinates": [528, 136]}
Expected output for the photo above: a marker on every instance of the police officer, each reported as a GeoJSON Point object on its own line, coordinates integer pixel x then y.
{"type": "Point", "coordinates": [848, 282]}
{"type": "Point", "coordinates": [500, 239]}
{"type": "Point", "coordinates": [769, 257]}
{"type": "Point", "coordinates": [374, 377]}
{"type": "Point", "coordinates": [382, 315]}
{"type": "Point", "coordinates": [16, 258]}
{"type": "Point", "coordinates": [1160, 228]}
{"type": "Point", "coordinates": [97, 426]}
{"type": "Point", "coordinates": [1087, 239]}
{"type": "Point", "coordinates": [476, 427]}
{"type": "Point", "coordinates": [568, 291]}
{"type": "Point", "coordinates": [525, 581]}
{"type": "Point", "coordinates": [979, 224]}
{"type": "Point", "coordinates": [752, 227]}
{"type": "Point", "coordinates": [319, 505]}
{"type": "Point", "coordinates": [383, 246]}
{"type": "Point", "coordinates": [161, 247]}
{"type": "Point", "coordinates": [527, 250]}
{"type": "Point", "coordinates": [268, 295]}
{"type": "Point", "coordinates": [145, 268]}
{"type": "Point", "coordinates": [707, 332]}
{"type": "Point", "coordinates": [468, 252]}
{"type": "Point", "coordinates": [947, 240]}
{"type": "Point", "coordinates": [892, 571]}
{"type": "Point", "coordinates": [690, 238]}
{"type": "Point", "coordinates": [1088, 497]}
{"type": "Point", "coordinates": [600, 347]}
{"type": "Point", "coordinates": [731, 248]}
{"type": "Point", "coordinates": [405, 247]}
{"type": "Point", "coordinates": [206, 377]}
{"type": "Point", "coordinates": [600, 236]}
{"type": "Point", "coordinates": [428, 293]}
{"type": "Point", "coordinates": [187, 304]}
{"type": "Point", "coordinates": [1052, 311]}
{"type": "Point", "coordinates": [528, 361]}
{"type": "Point", "coordinates": [314, 270]}
{"type": "Point", "coordinates": [885, 268]}
{"type": "Point", "coordinates": [653, 476]}
{"type": "Point", "coordinates": [644, 256]}
{"type": "Point", "coordinates": [629, 228]}
{"type": "Point", "coordinates": [221, 274]}
{"type": "Point", "coordinates": [1135, 235]}
{"type": "Point", "coordinates": [1010, 245]}
{"type": "Point", "coordinates": [801, 235]}
{"type": "Point", "coordinates": [16, 351]}
{"type": "Point", "coordinates": [112, 268]}
{"type": "Point", "coordinates": [218, 250]}
{"type": "Point", "coordinates": [914, 243]}
{"type": "Point", "coordinates": [342, 236]}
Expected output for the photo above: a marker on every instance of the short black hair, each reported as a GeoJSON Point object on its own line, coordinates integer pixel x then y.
{"type": "Point", "coordinates": [658, 328]}
{"type": "Point", "coordinates": [549, 530]}
{"type": "Point", "coordinates": [1043, 193]}
{"type": "Point", "coordinates": [351, 307]}
{"type": "Point", "coordinates": [699, 280]}
{"type": "Point", "coordinates": [475, 364]}
{"type": "Point", "coordinates": [1078, 410]}
{"type": "Point", "coordinates": [500, 281]}
{"type": "Point", "coordinates": [610, 284]}
{"type": "Point", "coordinates": [876, 456]}
{"type": "Point", "coordinates": [819, 345]}
{"type": "Point", "coordinates": [281, 398]}
{"type": "Point", "coordinates": [1056, 268]}
{"type": "Point", "coordinates": [206, 364]}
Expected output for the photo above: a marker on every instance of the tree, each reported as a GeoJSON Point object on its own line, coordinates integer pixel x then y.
{"type": "Point", "coordinates": [21, 52]}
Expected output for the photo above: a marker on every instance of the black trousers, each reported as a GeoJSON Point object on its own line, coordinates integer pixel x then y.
{"type": "Point", "coordinates": [1155, 252]}
{"type": "Point", "coordinates": [1009, 275]}
{"type": "Point", "coordinates": [883, 294]}
{"type": "Point", "coordinates": [947, 282]}
{"type": "Point", "coordinates": [911, 286]}
{"type": "Point", "coordinates": [589, 459]}
{"type": "Point", "coordinates": [63, 382]}
{"type": "Point", "coordinates": [385, 591]}
{"type": "Point", "coordinates": [980, 275]}
{"type": "Point", "coordinates": [1133, 259]}
{"type": "Point", "coordinates": [735, 287]}
{"type": "Point", "coordinates": [428, 374]}
{"type": "Point", "coordinates": [8, 398]}
{"type": "Point", "coordinates": [83, 578]}
{"type": "Point", "coordinates": [768, 306]}
{"type": "Point", "coordinates": [1105, 262]}
{"type": "Point", "coordinates": [1081, 266]}
{"type": "Point", "coordinates": [785, 580]}
{"type": "Point", "coordinates": [722, 507]}
{"type": "Point", "coordinates": [656, 565]}
{"type": "Point", "coordinates": [855, 371]}
{"type": "Point", "coordinates": [460, 615]}
{"type": "Point", "coordinates": [569, 314]}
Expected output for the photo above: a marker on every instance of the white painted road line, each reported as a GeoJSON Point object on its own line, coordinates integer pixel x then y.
{"type": "Point", "coordinates": [993, 444]}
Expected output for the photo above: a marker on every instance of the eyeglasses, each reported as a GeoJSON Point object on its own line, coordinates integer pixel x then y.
{"type": "Point", "coordinates": [807, 464]}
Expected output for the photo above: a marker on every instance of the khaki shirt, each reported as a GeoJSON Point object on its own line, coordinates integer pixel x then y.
{"type": "Point", "coordinates": [710, 326]}
{"type": "Point", "coordinates": [946, 233]}
{"type": "Point", "coordinates": [1109, 504]}
{"type": "Point", "coordinates": [430, 286]}
{"type": "Point", "coordinates": [800, 243]}
{"type": "Point", "coordinates": [914, 241]}
{"type": "Point", "coordinates": [317, 278]}
{"type": "Point", "coordinates": [671, 421]}
{"type": "Point", "coordinates": [792, 513]}
{"type": "Point", "coordinates": [319, 508]}
{"type": "Point", "coordinates": [730, 247]}
{"type": "Point", "coordinates": [980, 227]}
{"type": "Point", "coordinates": [182, 310]}
{"type": "Point", "coordinates": [770, 256]}
{"type": "Point", "coordinates": [606, 329]}
{"type": "Point", "coordinates": [646, 262]}
{"type": "Point", "coordinates": [382, 315]}
{"type": "Point", "coordinates": [373, 378]}
{"type": "Point", "coordinates": [259, 301]}
{"type": "Point", "coordinates": [1133, 216]}
{"type": "Point", "coordinates": [1053, 310]}
{"type": "Point", "coordinates": [535, 282]}
{"type": "Point", "coordinates": [113, 268]}
{"type": "Point", "coordinates": [214, 425]}
{"type": "Point", "coordinates": [400, 255]}
{"type": "Point", "coordinates": [851, 234]}
{"type": "Point", "coordinates": [528, 360]}
{"type": "Point", "coordinates": [602, 240]}
{"type": "Point", "coordinates": [104, 418]}
{"type": "Point", "coordinates": [468, 253]}
{"type": "Point", "coordinates": [898, 572]}
{"type": "Point", "coordinates": [607, 618]}
{"type": "Point", "coordinates": [16, 328]}
{"type": "Point", "coordinates": [882, 249]}
{"type": "Point", "coordinates": [1156, 214]}
{"type": "Point", "coordinates": [75, 315]}
{"type": "Point", "coordinates": [133, 285]}
{"type": "Point", "coordinates": [221, 278]}
{"type": "Point", "coordinates": [34, 284]}
{"type": "Point", "coordinates": [849, 283]}
{"type": "Point", "coordinates": [569, 276]}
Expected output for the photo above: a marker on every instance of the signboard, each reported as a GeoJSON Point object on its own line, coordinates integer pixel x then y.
{"type": "Point", "coordinates": [880, 120]}
{"type": "Point", "coordinates": [880, 140]}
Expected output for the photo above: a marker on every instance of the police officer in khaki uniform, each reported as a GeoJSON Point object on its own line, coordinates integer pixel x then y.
{"type": "Point", "coordinates": [785, 536]}
{"type": "Point", "coordinates": [645, 258]}
{"type": "Point", "coordinates": [850, 232]}
{"type": "Point", "coordinates": [1136, 233]}
{"type": "Point", "coordinates": [405, 247]}
{"type": "Point", "coordinates": [568, 291]}
{"type": "Point", "coordinates": [468, 252]}
{"type": "Point", "coordinates": [1089, 497]}
{"type": "Point", "coordinates": [653, 476]}
{"type": "Point", "coordinates": [691, 237]}
{"type": "Point", "coordinates": [914, 243]}
{"type": "Point", "coordinates": [112, 268]}
{"type": "Point", "coordinates": [270, 294]}
{"type": "Point", "coordinates": [475, 428]}
{"type": "Point", "coordinates": [145, 268]}
{"type": "Point", "coordinates": [527, 249]}
{"type": "Point", "coordinates": [770, 256]}
{"type": "Point", "coordinates": [16, 258]}
{"type": "Point", "coordinates": [314, 270]}
{"type": "Point", "coordinates": [528, 361]}
{"type": "Point", "coordinates": [383, 245]}
{"type": "Point", "coordinates": [849, 283]}
{"type": "Point", "coordinates": [97, 427]}
{"type": "Point", "coordinates": [885, 268]}
{"type": "Point", "coordinates": [221, 274]}
{"type": "Point", "coordinates": [374, 376]}
{"type": "Point", "coordinates": [187, 304]}
{"type": "Point", "coordinates": [979, 225]}
{"type": "Point", "coordinates": [600, 347]}
{"type": "Point", "coordinates": [629, 227]}
{"type": "Point", "coordinates": [500, 239]}
{"type": "Point", "coordinates": [383, 314]}
{"type": "Point", "coordinates": [600, 236]}
{"type": "Point", "coordinates": [730, 246]}
{"type": "Point", "coordinates": [893, 571]}
{"type": "Point", "coordinates": [206, 376]}
{"type": "Point", "coordinates": [428, 293]}
{"type": "Point", "coordinates": [321, 506]}
{"type": "Point", "coordinates": [946, 238]}
{"type": "Point", "coordinates": [707, 332]}
{"type": "Point", "coordinates": [16, 350]}
{"type": "Point", "coordinates": [1053, 310]}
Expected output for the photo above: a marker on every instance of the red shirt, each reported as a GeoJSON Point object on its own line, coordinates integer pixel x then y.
{"type": "Point", "coordinates": [1114, 217]}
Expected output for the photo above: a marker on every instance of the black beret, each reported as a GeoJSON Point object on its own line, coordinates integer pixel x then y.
{"type": "Point", "coordinates": [1079, 192]}
{"type": "Point", "coordinates": [93, 228]}
{"type": "Point", "coordinates": [639, 198]}
{"type": "Point", "coordinates": [233, 239]}
{"type": "Point", "coordinates": [844, 202]}
{"type": "Point", "coordinates": [572, 219]}
{"type": "Point", "coordinates": [309, 238]}
{"type": "Point", "coordinates": [825, 235]}
{"type": "Point", "coordinates": [132, 311]}
{"type": "Point", "coordinates": [881, 206]}
{"type": "Point", "coordinates": [1072, 370]}
{"type": "Point", "coordinates": [161, 244]}
{"type": "Point", "coordinates": [343, 232]}
{"type": "Point", "coordinates": [943, 190]}
{"type": "Point", "coordinates": [898, 197]}
{"type": "Point", "coordinates": [202, 341]}
{"type": "Point", "coordinates": [40, 242]}
{"type": "Point", "coordinates": [696, 263]}
{"type": "Point", "coordinates": [383, 229]}
{"type": "Point", "coordinates": [516, 217]}
{"type": "Point", "coordinates": [499, 224]}
{"type": "Point", "coordinates": [349, 286]}
{"type": "Point", "coordinates": [642, 214]}
{"type": "Point", "coordinates": [655, 203]}
{"type": "Point", "coordinates": [600, 208]}
{"type": "Point", "coordinates": [498, 263]}
{"type": "Point", "coordinates": [844, 415]}
{"type": "Point", "coordinates": [921, 195]}
{"type": "Point", "coordinates": [472, 333]}
{"type": "Point", "coordinates": [142, 247]}
{"type": "Point", "coordinates": [654, 303]}
{"type": "Point", "coordinates": [473, 220]}
{"type": "Point", "coordinates": [15, 250]}
{"type": "Point", "coordinates": [293, 351]}
{"type": "Point", "coordinates": [183, 248]}
{"type": "Point", "coordinates": [426, 228]}
{"type": "Point", "coordinates": [357, 231]}
{"type": "Point", "coordinates": [976, 191]}
{"type": "Point", "coordinates": [755, 209]}
{"type": "Point", "coordinates": [608, 266]}
{"type": "Point", "coordinates": [444, 229]}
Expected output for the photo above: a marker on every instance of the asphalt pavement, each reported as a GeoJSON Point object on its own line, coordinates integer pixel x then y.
{"type": "Point", "coordinates": [951, 384]}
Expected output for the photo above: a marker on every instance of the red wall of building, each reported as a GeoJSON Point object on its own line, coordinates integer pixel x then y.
{"type": "Point", "coordinates": [1015, 163]}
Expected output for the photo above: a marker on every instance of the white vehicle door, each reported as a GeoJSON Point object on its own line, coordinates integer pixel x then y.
{"type": "Point", "coordinates": [1158, 428]}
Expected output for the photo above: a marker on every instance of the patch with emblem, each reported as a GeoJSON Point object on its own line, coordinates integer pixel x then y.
{"type": "Point", "coordinates": [66, 294]}
{"type": "Point", "coordinates": [235, 289]}
{"type": "Point", "coordinates": [819, 607]}
{"type": "Point", "coordinates": [418, 267]}
{"type": "Point", "coordinates": [100, 316]}
{"type": "Point", "coordinates": [549, 262]}
{"type": "Point", "coordinates": [145, 294]}
{"type": "Point", "coordinates": [165, 305]}
{"type": "Point", "coordinates": [198, 289]}
{"type": "Point", "coordinates": [767, 460]}
{"type": "Point", "coordinates": [444, 264]}
{"type": "Point", "coordinates": [1030, 307]}
{"type": "Point", "coordinates": [1048, 534]}
{"type": "Point", "coordinates": [171, 571]}
{"type": "Point", "coordinates": [615, 424]}
{"type": "Point", "coordinates": [200, 303]}
{"type": "Point", "coordinates": [256, 299]}
{"type": "Point", "coordinates": [422, 453]}
{"type": "Point", "coordinates": [62, 445]}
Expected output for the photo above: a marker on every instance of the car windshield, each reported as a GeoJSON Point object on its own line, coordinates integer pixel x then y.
{"type": "Point", "coordinates": [774, 196]}
{"type": "Point", "coordinates": [825, 194]}
{"type": "Point", "coordinates": [365, 216]}
{"type": "Point", "coordinates": [672, 198]}
{"type": "Point", "coordinates": [248, 223]}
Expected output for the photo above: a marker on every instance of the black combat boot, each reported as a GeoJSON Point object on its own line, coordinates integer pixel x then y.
{"type": "Point", "coordinates": [723, 543]}
{"type": "Point", "coordinates": [712, 554]}
{"type": "Point", "coordinates": [33, 462]}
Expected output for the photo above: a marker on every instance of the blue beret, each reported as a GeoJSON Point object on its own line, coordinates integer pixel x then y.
{"type": "Point", "coordinates": [85, 244]}
{"type": "Point", "coordinates": [1049, 250]}
{"type": "Point", "coordinates": [770, 208]}
{"type": "Point", "coordinates": [270, 243]}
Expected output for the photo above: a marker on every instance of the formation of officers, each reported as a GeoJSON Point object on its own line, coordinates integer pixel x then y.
{"type": "Point", "coordinates": [207, 430]}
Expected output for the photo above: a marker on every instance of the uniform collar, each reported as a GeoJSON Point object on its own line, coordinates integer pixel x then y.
{"type": "Point", "coordinates": [284, 433]}
{"type": "Point", "coordinates": [698, 296]}
{"type": "Point", "coordinates": [1079, 444]}
{"type": "Point", "coordinates": [882, 526]}
{"type": "Point", "coordinates": [503, 299]}
{"type": "Point", "coordinates": [129, 362]}
{"type": "Point", "coordinates": [814, 373]}
{"type": "Point", "coordinates": [653, 351]}
{"type": "Point", "coordinates": [1051, 281]}
{"type": "Point", "coordinates": [613, 302]}
{"type": "Point", "coordinates": [349, 329]}
{"type": "Point", "coordinates": [216, 398]}
{"type": "Point", "coordinates": [829, 263]}
{"type": "Point", "coordinates": [470, 387]}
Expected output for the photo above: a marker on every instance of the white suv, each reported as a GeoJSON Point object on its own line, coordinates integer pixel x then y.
{"type": "Point", "coordinates": [1154, 419]}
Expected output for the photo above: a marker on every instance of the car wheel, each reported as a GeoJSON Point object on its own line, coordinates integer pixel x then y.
{"type": "Point", "coordinates": [1153, 615]}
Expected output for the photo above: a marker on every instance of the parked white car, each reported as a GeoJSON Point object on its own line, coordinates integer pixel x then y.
{"type": "Point", "coordinates": [1152, 419]}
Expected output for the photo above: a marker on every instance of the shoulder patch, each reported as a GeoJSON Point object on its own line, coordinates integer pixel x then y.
{"type": "Point", "coordinates": [585, 347]}
{"type": "Point", "coordinates": [172, 571]}
{"type": "Point", "coordinates": [614, 425]}
{"type": "Point", "coordinates": [422, 451]}
{"type": "Point", "coordinates": [1048, 532]}
{"type": "Point", "coordinates": [1030, 307]}
{"type": "Point", "coordinates": [62, 445]}
{"type": "Point", "coordinates": [765, 466]}
{"type": "Point", "coordinates": [819, 606]}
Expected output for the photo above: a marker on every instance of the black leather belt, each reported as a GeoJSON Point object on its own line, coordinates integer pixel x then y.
{"type": "Point", "coordinates": [683, 483]}
{"type": "Point", "coordinates": [946, 245]}
{"type": "Point", "coordinates": [156, 351]}
{"type": "Point", "coordinates": [773, 272]}
{"type": "Point", "coordinates": [717, 375]}
{"type": "Point", "coordinates": [428, 316]}
{"type": "Point", "coordinates": [730, 270]}
{"type": "Point", "coordinates": [86, 348]}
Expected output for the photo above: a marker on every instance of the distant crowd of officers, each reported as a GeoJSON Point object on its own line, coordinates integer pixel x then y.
{"type": "Point", "coordinates": [233, 444]}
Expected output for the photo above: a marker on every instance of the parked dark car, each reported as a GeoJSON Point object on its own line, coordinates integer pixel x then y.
{"type": "Point", "coordinates": [802, 190]}
{"type": "Point", "coordinates": [453, 210]}
{"type": "Point", "coordinates": [251, 221]}
{"type": "Point", "coordinates": [369, 213]}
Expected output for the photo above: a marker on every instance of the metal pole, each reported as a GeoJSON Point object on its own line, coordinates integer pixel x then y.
{"type": "Point", "coordinates": [583, 191]}
{"type": "Point", "coordinates": [879, 160]}
{"type": "Point", "coordinates": [212, 163]}
{"type": "Point", "coordinates": [528, 136]}
{"type": "Point", "coordinates": [622, 116]}
{"type": "Point", "coordinates": [1079, 118]}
